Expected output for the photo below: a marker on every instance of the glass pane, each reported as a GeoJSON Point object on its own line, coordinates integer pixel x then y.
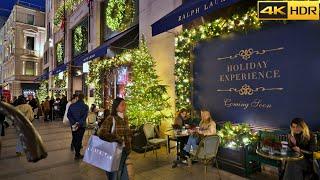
{"type": "Point", "coordinates": [30, 43]}
{"type": "Point", "coordinates": [30, 19]}
{"type": "Point", "coordinates": [29, 68]}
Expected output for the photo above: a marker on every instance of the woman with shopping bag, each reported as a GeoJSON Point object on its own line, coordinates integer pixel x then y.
{"type": "Point", "coordinates": [116, 129]}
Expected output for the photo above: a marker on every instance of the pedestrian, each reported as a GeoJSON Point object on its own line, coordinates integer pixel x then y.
{"type": "Point", "coordinates": [63, 104]}
{"type": "Point", "coordinates": [74, 99]}
{"type": "Point", "coordinates": [77, 115]}
{"type": "Point", "coordinates": [51, 102]}
{"type": "Point", "coordinates": [2, 128]}
{"type": "Point", "coordinates": [122, 135]}
{"type": "Point", "coordinates": [46, 108]}
{"type": "Point", "coordinates": [26, 110]}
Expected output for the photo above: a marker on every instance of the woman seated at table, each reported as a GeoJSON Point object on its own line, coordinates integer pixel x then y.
{"type": "Point", "coordinates": [301, 140]}
{"type": "Point", "coordinates": [181, 119]}
{"type": "Point", "coordinates": [207, 127]}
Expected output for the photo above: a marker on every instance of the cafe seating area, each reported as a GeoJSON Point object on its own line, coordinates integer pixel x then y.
{"type": "Point", "coordinates": [265, 146]}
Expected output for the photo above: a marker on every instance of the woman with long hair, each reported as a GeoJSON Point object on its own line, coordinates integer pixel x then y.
{"type": "Point", "coordinates": [301, 140]}
{"type": "Point", "coordinates": [120, 133]}
{"type": "Point", "coordinates": [207, 127]}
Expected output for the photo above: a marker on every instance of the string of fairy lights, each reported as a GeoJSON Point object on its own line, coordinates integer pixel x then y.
{"type": "Point", "coordinates": [186, 41]}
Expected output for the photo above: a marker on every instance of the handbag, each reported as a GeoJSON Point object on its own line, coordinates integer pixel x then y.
{"type": "Point", "coordinates": [102, 154]}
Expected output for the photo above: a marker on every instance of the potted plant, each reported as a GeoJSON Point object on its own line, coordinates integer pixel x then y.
{"type": "Point", "coordinates": [237, 144]}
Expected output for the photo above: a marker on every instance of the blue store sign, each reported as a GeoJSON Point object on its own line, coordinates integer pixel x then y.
{"type": "Point", "coordinates": [265, 77]}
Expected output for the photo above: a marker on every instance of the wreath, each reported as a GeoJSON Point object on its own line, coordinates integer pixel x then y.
{"type": "Point", "coordinates": [119, 14]}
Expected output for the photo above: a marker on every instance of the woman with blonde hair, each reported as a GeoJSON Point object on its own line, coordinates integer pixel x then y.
{"type": "Point", "coordinates": [301, 140]}
{"type": "Point", "coordinates": [207, 127]}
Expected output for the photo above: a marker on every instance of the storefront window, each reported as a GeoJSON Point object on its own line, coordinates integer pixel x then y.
{"type": "Point", "coordinates": [122, 81]}
{"type": "Point", "coordinates": [115, 83]}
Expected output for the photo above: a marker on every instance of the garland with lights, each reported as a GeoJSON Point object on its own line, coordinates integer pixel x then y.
{"type": "Point", "coordinates": [187, 40]}
{"type": "Point", "coordinates": [146, 99]}
{"type": "Point", "coordinates": [119, 14]}
{"type": "Point", "coordinates": [78, 42]}
{"type": "Point", "coordinates": [59, 14]}
{"type": "Point", "coordinates": [60, 83]}
{"type": "Point", "coordinates": [236, 136]}
{"type": "Point", "coordinates": [60, 52]}
{"type": "Point", "coordinates": [42, 92]}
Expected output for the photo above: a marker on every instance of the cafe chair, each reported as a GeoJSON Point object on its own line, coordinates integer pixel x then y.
{"type": "Point", "coordinates": [207, 151]}
{"type": "Point", "coordinates": [152, 141]}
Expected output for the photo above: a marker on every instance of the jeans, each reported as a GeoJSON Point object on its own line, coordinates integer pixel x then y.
{"type": "Point", "coordinates": [122, 173]}
{"type": "Point", "coordinates": [77, 137]}
{"type": "Point", "coordinates": [19, 146]}
{"type": "Point", "coordinates": [192, 143]}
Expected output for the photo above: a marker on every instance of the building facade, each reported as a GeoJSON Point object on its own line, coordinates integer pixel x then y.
{"type": "Point", "coordinates": [23, 37]}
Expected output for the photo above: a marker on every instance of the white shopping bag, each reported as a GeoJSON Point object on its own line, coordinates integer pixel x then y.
{"type": "Point", "coordinates": [102, 154]}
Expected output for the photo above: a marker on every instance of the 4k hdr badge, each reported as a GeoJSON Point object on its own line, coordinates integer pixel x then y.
{"type": "Point", "coordinates": [288, 10]}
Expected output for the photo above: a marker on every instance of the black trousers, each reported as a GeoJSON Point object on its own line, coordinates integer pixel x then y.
{"type": "Point", "coordinates": [77, 137]}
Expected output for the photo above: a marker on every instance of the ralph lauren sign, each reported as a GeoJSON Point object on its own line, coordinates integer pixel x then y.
{"type": "Point", "coordinates": [187, 12]}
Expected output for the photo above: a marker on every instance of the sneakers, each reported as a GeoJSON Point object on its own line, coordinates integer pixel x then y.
{"type": "Point", "coordinates": [78, 157]}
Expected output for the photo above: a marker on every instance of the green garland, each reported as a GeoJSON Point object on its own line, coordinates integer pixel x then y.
{"type": "Point", "coordinates": [42, 92]}
{"type": "Point", "coordinates": [59, 14]}
{"type": "Point", "coordinates": [78, 40]}
{"type": "Point", "coordinates": [98, 68]}
{"type": "Point", "coordinates": [147, 100]}
{"type": "Point", "coordinates": [119, 14]}
{"type": "Point", "coordinates": [60, 53]}
{"type": "Point", "coordinates": [187, 40]}
{"type": "Point", "coordinates": [60, 83]}
{"type": "Point", "coordinates": [236, 136]}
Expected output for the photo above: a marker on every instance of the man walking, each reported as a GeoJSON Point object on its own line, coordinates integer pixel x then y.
{"type": "Point", "coordinates": [77, 115]}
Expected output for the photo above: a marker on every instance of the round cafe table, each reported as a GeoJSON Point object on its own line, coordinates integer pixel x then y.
{"type": "Point", "coordinates": [290, 156]}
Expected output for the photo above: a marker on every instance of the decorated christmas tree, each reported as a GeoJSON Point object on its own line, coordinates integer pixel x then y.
{"type": "Point", "coordinates": [42, 92]}
{"type": "Point", "coordinates": [147, 100]}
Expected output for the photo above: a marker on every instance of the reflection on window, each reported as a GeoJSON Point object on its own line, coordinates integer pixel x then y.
{"type": "Point", "coordinates": [30, 43]}
{"type": "Point", "coordinates": [29, 68]}
{"type": "Point", "coordinates": [30, 19]}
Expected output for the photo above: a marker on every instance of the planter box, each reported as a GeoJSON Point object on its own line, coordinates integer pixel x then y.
{"type": "Point", "coordinates": [238, 161]}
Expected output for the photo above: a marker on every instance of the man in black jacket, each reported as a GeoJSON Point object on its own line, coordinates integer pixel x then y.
{"type": "Point", "coordinates": [77, 115]}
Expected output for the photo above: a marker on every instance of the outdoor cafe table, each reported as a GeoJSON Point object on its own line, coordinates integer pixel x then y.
{"type": "Point", "coordinates": [290, 156]}
{"type": "Point", "coordinates": [179, 137]}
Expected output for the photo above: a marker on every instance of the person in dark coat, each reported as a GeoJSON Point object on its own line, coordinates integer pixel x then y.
{"type": "Point", "coordinates": [301, 140]}
{"type": "Point", "coordinates": [2, 128]}
{"type": "Point", "coordinates": [77, 115]}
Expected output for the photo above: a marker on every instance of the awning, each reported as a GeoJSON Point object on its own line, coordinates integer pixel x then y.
{"type": "Point", "coordinates": [97, 52]}
{"type": "Point", "coordinates": [102, 49]}
{"type": "Point", "coordinates": [43, 76]}
{"type": "Point", "coordinates": [59, 69]}
{"type": "Point", "coordinates": [188, 12]}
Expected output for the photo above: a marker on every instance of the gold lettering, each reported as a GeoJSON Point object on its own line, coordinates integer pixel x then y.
{"type": "Point", "coordinates": [276, 73]}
